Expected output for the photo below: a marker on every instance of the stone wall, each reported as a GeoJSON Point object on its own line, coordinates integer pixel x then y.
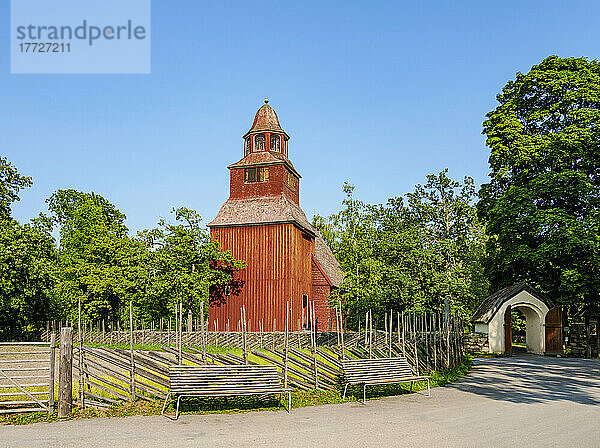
{"type": "Point", "coordinates": [577, 346]}
{"type": "Point", "coordinates": [477, 343]}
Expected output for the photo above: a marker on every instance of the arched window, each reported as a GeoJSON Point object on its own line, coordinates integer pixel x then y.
{"type": "Point", "coordinates": [247, 146]}
{"type": "Point", "coordinates": [259, 142]}
{"type": "Point", "coordinates": [275, 143]}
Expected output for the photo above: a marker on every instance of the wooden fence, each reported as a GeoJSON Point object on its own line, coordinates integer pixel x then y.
{"type": "Point", "coordinates": [27, 377]}
{"type": "Point", "coordinates": [122, 370]}
{"type": "Point", "coordinates": [436, 341]}
{"type": "Point", "coordinates": [108, 376]}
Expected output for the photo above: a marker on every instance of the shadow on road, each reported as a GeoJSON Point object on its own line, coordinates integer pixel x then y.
{"type": "Point", "coordinates": [534, 379]}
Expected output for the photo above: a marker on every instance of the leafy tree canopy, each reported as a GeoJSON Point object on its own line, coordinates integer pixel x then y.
{"type": "Point", "coordinates": [64, 204]}
{"type": "Point", "coordinates": [542, 203]}
{"type": "Point", "coordinates": [412, 252]}
{"type": "Point", "coordinates": [27, 278]}
{"type": "Point", "coordinates": [99, 263]}
{"type": "Point", "coordinates": [27, 264]}
{"type": "Point", "coordinates": [183, 264]}
{"type": "Point", "coordinates": [11, 182]}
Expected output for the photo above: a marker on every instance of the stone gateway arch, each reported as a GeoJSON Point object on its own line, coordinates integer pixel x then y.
{"type": "Point", "coordinates": [543, 328]}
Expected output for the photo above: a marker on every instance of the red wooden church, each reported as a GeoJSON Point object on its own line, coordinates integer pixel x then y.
{"type": "Point", "coordinates": [262, 223]}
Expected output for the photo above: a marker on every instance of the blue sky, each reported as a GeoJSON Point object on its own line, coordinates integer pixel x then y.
{"type": "Point", "coordinates": [376, 93]}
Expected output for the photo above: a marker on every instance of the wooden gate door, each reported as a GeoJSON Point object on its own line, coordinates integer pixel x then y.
{"type": "Point", "coordinates": [26, 377]}
{"type": "Point", "coordinates": [508, 331]}
{"type": "Point", "coordinates": [554, 331]}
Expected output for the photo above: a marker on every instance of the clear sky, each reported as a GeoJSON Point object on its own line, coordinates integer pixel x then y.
{"type": "Point", "coordinates": [376, 93]}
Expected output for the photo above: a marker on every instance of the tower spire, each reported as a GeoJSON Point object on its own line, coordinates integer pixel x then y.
{"type": "Point", "coordinates": [266, 133]}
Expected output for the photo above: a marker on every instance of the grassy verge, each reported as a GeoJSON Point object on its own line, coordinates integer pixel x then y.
{"type": "Point", "coordinates": [489, 355]}
{"type": "Point", "coordinates": [228, 405]}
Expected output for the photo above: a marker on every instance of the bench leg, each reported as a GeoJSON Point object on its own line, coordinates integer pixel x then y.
{"type": "Point", "coordinates": [411, 385]}
{"type": "Point", "coordinates": [289, 402]}
{"type": "Point", "coordinates": [165, 404]}
{"type": "Point", "coordinates": [345, 389]}
{"type": "Point", "coordinates": [365, 393]}
{"type": "Point", "coordinates": [428, 388]}
{"type": "Point", "coordinates": [177, 411]}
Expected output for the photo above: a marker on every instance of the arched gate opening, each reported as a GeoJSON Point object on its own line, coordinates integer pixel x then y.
{"type": "Point", "coordinates": [543, 320]}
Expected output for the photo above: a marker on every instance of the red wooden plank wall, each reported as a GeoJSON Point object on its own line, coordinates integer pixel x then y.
{"type": "Point", "coordinates": [320, 291]}
{"type": "Point", "coordinates": [278, 269]}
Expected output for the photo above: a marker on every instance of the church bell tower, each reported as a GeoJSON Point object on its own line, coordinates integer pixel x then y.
{"type": "Point", "coordinates": [262, 224]}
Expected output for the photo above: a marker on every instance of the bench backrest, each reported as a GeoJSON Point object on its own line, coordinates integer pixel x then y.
{"type": "Point", "coordinates": [380, 369]}
{"type": "Point", "coordinates": [229, 379]}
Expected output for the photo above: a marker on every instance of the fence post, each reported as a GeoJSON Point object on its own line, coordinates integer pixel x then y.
{"type": "Point", "coordinates": [391, 328]}
{"type": "Point", "coordinates": [403, 335]}
{"type": "Point", "coordinates": [313, 330]}
{"type": "Point", "coordinates": [180, 333]}
{"type": "Point", "coordinates": [203, 336]}
{"type": "Point", "coordinates": [65, 380]}
{"type": "Point", "coordinates": [414, 327]}
{"type": "Point", "coordinates": [243, 316]}
{"type": "Point", "coordinates": [80, 361]}
{"type": "Point", "coordinates": [434, 335]}
{"type": "Point", "coordinates": [132, 371]}
{"type": "Point", "coordinates": [341, 330]}
{"type": "Point", "coordinates": [51, 380]}
{"type": "Point", "coordinates": [447, 330]}
{"type": "Point", "coordinates": [287, 324]}
{"type": "Point", "coordinates": [370, 334]}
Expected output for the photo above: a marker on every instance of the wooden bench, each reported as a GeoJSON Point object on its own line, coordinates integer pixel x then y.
{"type": "Point", "coordinates": [223, 381]}
{"type": "Point", "coordinates": [379, 371]}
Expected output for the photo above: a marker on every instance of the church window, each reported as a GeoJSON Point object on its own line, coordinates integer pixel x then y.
{"type": "Point", "coordinates": [275, 143]}
{"type": "Point", "coordinates": [263, 174]}
{"type": "Point", "coordinates": [292, 181]}
{"type": "Point", "coordinates": [247, 146]}
{"type": "Point", "coordinates": [260, 174]}
{"type": "Point", "coordinates": [259, 142]}
{"type": "Point", "coordinates": [250, 175]}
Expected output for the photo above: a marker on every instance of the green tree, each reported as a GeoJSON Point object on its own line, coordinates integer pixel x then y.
{"type": "Point", "coordinates": [11, 182]}
{"type": "Point", "coordinates": [27, 280]}
{"type": "Point", "coordinates": [99, 263]}
{"type": "Point", "coordinates": [64, 204]}
{"type": "Point", "coordinates": [352, 236]}
{"type": "Point", "coordinates": [411, 252]}
{"type": "Point", "coordinates": [182, 263]}
{"type": "Point", "coordinates": [450, 240]}
{"type": "Point", "coordinates": [542, 203]}
{"type": "Point", "coordinates": [27, 264]}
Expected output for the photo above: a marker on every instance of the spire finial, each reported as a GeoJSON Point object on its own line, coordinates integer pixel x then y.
{"type": "Point", "coordinates": [266, 100]}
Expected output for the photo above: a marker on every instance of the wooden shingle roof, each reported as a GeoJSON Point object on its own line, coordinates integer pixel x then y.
{"type": "Point", "coordinates": [266, 120]}
{"type": "Point", "coordinates": [265, 158]}
{"type": "Point", "coordinates": [327, 261]}
{"type": "Point", "coordinates": [278, 210]}
{"type": "Point", "coordinates": [261, 210]}
{"type": "Point", "coordinates": [490, 306]}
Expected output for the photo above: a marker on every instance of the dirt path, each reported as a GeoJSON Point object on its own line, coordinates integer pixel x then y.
{"type": "Point", "coordinates": [526, 401]}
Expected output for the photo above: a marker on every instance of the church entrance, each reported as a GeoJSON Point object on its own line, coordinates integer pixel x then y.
{"type": "Point", "coordinates": [524, 332]}
{"type": "Point", "coordinates": [518, 318]}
